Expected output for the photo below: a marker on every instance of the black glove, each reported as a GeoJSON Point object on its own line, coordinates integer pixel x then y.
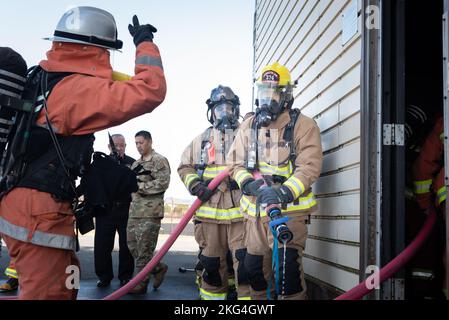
{"type": "Point", "coordinates": [141, 33]}
{"type": "Point", "coordinates": [202, 191]}
{"type": "Point", "coordinates": [273, 195]}
{"type": "Point", "coordinates": [251, 186]}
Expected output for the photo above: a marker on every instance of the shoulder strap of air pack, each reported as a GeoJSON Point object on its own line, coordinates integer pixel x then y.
{"type": "Point", "coordinates": [252, 156]}
{"type": "Point", "coordinates": [205, 139]}
{"type": "Point", "coordinates": [289, 134]}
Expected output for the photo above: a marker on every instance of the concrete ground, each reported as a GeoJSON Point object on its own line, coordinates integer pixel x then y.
{"type": "Point", "coordinates": [176, 286]}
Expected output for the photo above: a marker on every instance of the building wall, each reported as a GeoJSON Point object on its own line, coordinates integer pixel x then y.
{"type": "Point", "coordinates": [307, 37]}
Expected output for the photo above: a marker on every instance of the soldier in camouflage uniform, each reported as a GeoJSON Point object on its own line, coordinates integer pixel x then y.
{"type": "Point", "coordinates": [147, 209]}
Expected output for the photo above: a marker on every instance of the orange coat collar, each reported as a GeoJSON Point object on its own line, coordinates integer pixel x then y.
{"type": "Point", "coordinates": [78, 58]}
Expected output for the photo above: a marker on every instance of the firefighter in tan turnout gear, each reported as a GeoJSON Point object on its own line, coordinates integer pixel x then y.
{"type": "Point", "coordinates": [284, 146]}
{"type": "Point", "coordinates": [218, 222]}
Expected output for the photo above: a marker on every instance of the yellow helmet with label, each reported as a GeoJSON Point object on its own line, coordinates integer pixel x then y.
{"type": "Point", "coordinates": [276, 74]}
{"type": "Point", "coordinates": [274, 92]}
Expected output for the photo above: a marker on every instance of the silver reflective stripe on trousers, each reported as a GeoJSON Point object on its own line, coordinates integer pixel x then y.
{"type": "Point", "coordinates": [39, 238]}
{"type": "Point", "coordinates": [150, 61]}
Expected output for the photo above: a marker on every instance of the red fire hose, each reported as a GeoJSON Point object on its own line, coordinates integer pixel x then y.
{"type": "Point", "coordinates": [397, 263]}
{"type": "Point", "coordinates": [168, 243]}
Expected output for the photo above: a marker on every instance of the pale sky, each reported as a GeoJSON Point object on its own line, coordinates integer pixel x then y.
{"type": "Point", "coordinates": [203, 43]}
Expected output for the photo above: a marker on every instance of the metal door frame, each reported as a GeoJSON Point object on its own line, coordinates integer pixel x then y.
{"type": "Point", "coordinates": [445, 65]}
{"type": "Point", "coordinates": [371, 144]}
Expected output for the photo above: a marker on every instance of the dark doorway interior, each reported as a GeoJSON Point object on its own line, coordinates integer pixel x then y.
{"type": "Point", "coordinates": [423, 90]}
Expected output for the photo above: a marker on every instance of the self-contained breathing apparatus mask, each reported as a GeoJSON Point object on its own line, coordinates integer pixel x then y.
{"type": "Point", "coordinates": [274, 93]}
{"type": "Point", "coordinates": [272, 100]}
{"type": "Point", "coordinates": [223, 109]}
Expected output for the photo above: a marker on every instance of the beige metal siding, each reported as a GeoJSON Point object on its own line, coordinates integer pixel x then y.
{"type": "Point", "coordinates": [306, 36]}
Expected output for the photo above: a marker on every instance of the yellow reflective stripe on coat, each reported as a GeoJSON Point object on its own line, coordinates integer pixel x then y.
{"type": "Point", "coordinates": [218, 214]}
{"type": "Point", "coordinates": [12, 273]}
{"type": "Point", "coordinates": [422, 186]}
{"type": "Point", "coordinates": [212, 172]}
{"type": "Point", "coordinates": [241, 176]}
{"type": "Point", "coordinates": [302, 203]}
{"type": "Point", "coordinates": [268, 169]}
{"type": "Point", "coordinates": [441, 194]}
{"type": "Point", "coordinates": [295, 185]}
{"type": "Point", "coordinates": [189, 179]}
{"type": "Point", "coordinates": [244, 298]}
{"type": "Point", "coordinates": [442, 136]}
{"type": "Point", "coordinates": [205, 295]}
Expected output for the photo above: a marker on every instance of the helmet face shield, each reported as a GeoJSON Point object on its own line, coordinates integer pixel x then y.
{"type": "Point", "coordinates": [270, 97]}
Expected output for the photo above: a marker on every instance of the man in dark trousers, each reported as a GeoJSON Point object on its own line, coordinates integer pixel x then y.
{"type": "Point", "coordinates": [107, 225]}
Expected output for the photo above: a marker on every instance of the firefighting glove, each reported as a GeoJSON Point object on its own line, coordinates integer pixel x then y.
{"type": "Point", "coordinates": [250, 187]}
{"type": "Point", "coordinates": [202, 191]}
{"type": "Point", "coordinates": [141, 33]}
{"type": "Point", "coordinates": [274, 195]}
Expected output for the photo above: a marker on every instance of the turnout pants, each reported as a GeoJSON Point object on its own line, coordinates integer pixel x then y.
{"type": "Point", "coordinates": [258, 262]}
{"type": "Point", "coordinates": [44, 272]}
{"type": "Point", "coordinates": [105, 229]}
{"type": "Point", "coordinates": [214, 241]}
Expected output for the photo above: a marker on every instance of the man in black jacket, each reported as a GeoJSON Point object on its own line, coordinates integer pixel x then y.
{"type": "Point", "coordinates": [106, 226]}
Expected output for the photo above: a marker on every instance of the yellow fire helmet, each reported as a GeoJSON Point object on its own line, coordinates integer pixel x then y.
{"type": "Point", "coordinates": [274, 91]}
{"type": "Point", "coordinates": [276, 74]}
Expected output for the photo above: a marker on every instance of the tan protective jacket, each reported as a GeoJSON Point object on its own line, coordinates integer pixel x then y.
{"type": "Point", "coordinates": [274, 160]}
{"type": "Point", "coordinates": [223, 206]}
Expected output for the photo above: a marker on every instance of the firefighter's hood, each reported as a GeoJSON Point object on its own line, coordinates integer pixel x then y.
{"type": "Point", "coordinates": [77, 58]}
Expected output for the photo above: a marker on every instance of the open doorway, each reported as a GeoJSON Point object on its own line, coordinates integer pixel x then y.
{"type": "Point", "coordinates": [424, 105]}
